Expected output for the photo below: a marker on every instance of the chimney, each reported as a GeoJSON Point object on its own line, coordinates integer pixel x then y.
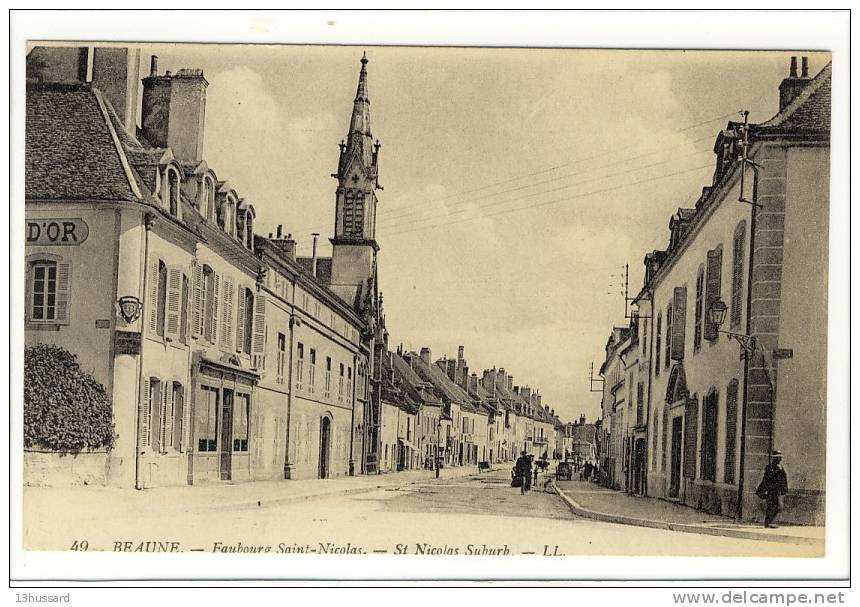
{"type": "Point", "coordinates": [58, 64]}
{"type": "Point", "coordinates": [510, 382]}
{"type": "Point", "coordinates": [526, 393]}
{"type": "Point", "coordinates": [473, 382]}
{"type": "Point", "coordinates": [582, 419]}
{"type": "Point", "coordinates": [460, 351]}
{"type": "Point", "coordinates": [314, 255]}
{"type": "Point", "coordinates": [425, 356]}
{"type": "Point", "coordinates": [552, 412]}
{"type": "Point", "coordinates": [464, 378]}
{"type": "Point", "coordinates": [174, 111]}
{"type": "Point", "coordinates": [537, 398]}
{"type": "Point", "coordinates": [792, 86]}
{"type": "Point", "coordinates": [489, 380]}
{"type": "Point", "coordinates": [286, 245]}
{"type": "Point", "coordinates": [116, 73]}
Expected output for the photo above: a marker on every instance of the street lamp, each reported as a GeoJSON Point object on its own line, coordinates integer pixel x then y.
{"type": "Point", "coordinates": [717, 315]}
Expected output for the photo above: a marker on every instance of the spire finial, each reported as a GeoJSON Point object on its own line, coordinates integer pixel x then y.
{"type": "Point", "coordinates": [364, 58]}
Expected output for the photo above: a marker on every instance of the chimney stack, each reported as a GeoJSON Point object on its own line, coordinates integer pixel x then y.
{"type": "Point", "coordinates": [116, 73]}
{"type": "Point", "coordinates": [510, 382]}
{"type": "Point", "coordinates": [314, 255]}
{"type": "Point", "coordinates": [792, 86]}
{"type": "Point", "coordinates": [174, 110]}
{"type": "Point", "coordinates": [425, 356]}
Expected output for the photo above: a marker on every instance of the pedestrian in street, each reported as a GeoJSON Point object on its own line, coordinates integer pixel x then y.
{"type": "Point", "coordinates": [521, 472]}
{"type": "Point", "coordinates": [774, 484]}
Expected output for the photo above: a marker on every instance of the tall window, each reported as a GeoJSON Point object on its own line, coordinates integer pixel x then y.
{"type": "Point", "coordinates": [737, 273]}
{"type": "Point", "coordinates": [327, 376]}
{"type": "Point", "coordinates": [655, 429]}
{"type": "Point", "coordinates": [43, 297]}
{"type": "Point", "coordinates": [349, 384]}
{"type": "Point", "coordinates": [247, 320]}
{"type": "Point", "coordinates": [173, 192]}
{"type": "Point", "coordinates": [161, 298]}
{"type": "Point", "coordinates": [282, 351]}
{"type": "Point", "coordinates": [353, 213]}
{"type": "Point", "coordinates": [241, 416]}
{"type": "Point", "coordinates": [183, 311]}
{"type": "Point", "coordinates": [177, 414]}
{"type": "Point", "coordinates": [209, 303]}
{"type": "Point", "coordinates": [709, 436]}
{"type": "Point", "coordinates": [697, 327]}
{"type": "Point", "coordinates": [731, 431]}
{"type": "Point", "coordinates": [151, 414]}
{"type": "Point", "coordinates": [668, 336]}
{"type": "Point", "coordinates": [300, 365]}
{"type": "Point", "coordinates": [340, 383]}
{"type": "Point", "coordinates": [658, 337]}
{"type": "Point", "coordinates": [206, 418]}
{"type": "Point", "coordinates": [312, 371]}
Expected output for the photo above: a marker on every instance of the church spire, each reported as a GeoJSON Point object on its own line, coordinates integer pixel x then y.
{"type": "Point", "coordinates": [359, 137]}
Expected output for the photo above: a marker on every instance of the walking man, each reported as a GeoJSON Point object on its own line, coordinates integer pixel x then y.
{"type": "Point", "coordinates": [774, 484]}
{"type": "Point", "coordinates": [521, 470]}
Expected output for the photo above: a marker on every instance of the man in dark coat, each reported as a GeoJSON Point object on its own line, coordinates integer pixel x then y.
{"type": "Point", "coordinates": [521, 468]}
{"type": "Point", "coordinates": [773, 484]}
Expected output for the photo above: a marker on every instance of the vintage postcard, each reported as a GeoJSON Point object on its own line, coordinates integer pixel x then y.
{"type": "Point", "coordinates": [328, 301]}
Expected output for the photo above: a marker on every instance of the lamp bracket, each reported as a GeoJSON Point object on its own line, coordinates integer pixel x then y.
{"type": "Point", "coordinates": [747, 342]}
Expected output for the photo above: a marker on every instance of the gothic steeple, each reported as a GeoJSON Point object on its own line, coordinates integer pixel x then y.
{"type": "Point", "coordinates": [354, 242]}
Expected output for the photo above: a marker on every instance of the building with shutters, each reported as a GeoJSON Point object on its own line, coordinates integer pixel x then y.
{"type": "Point", "coordinates": [226, 358]}
{"type": "Point", "coordinates": [714, 410]}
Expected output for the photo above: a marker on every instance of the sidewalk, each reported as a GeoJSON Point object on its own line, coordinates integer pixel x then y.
{"type": "Point", "coordinates": [111, 501]}
{"type": "Point", "coordinates": [592, 501]}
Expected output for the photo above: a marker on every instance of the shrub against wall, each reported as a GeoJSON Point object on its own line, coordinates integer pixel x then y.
{"type": "Point", "coordinates": [65, 409]}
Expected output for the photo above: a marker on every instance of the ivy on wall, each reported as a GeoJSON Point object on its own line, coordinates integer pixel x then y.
{"type": "Point", "coordinates": [65, 408]}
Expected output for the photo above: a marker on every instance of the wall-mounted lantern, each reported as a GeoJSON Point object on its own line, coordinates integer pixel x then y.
{"type": "Point", "coordinates": [717, 316]}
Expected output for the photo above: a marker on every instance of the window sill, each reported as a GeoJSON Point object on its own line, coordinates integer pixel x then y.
{"type": "Point", "coordinates": [42, 326]}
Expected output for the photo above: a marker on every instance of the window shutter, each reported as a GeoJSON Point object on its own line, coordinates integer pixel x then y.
{"type": "Point", "coordinates": [174, 303]}
{"type": "Point", "coordinates": [259, 342]}
{"type": "Point", "coordinates": [153, 296]}
{"type": "Point", "coordinates": [178, 416]}
{"type": "Point", "coordinates": [216, 279]}
{"type": "Point", "coordinates": [679, 323]}
{"type": "Point", "coordinates": [712, 289]}
{"type": "Point", "coordinates": [737, 273]}
{"type": "Point", "coordinates": [169, 411]}
{"type": "Point", "coordinates": [197, 301]}
{"type": "Point", "coordinates": [145, 416]}
{"type": "Point", "coordinates": [691, 421]}
{"type": "Point", "coordinates": [227, 315]}
{"type": "Point", "coordinates": [731, 431]}
{"type": "Point", "coordinates": [64, 280]}
{"type": "Point", "coordinates": [240, 321]}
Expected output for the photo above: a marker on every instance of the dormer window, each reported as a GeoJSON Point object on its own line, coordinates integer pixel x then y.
{"type": "Point", "coordinates": [203, 198]}
{"type": "Point", "coordinates": [171, 191]}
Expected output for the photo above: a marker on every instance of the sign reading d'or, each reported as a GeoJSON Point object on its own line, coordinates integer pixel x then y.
{"type": "Point", "coordinates": [57, 231]}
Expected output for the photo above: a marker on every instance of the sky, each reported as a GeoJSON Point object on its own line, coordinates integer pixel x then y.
{"type": "Point", "coordinates": [517, 183]}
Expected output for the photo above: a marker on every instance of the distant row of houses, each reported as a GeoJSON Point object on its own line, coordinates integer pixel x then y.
{"type": "Point", "coordinates": [226, 356]}
{"type": "Point", "coordinates": [724, 360]}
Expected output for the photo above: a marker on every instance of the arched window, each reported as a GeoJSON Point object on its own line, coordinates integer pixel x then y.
{"type": "Point", "coordinates": [249, 230]}
{"type": "Point", "coordinates": [348, 212]}
{"type": "Point", "coordinates": [358, 221]}
{"type": "Point", "coordinates": [210, 200]}
{"type": "Point", "coordinates": [171, 191]}
{"type": "Point", "coordinates": [203, 198]}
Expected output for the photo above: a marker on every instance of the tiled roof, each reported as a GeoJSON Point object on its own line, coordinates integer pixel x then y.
{"type": "Point", "coordinates": [323, 268]}
{"type": "Point", "coordinates": [433, 374]}
{"type": "Point", "coordinates": [810, 111]}
{"type": "Point", "coordinates": [70, 151]}
{"type": "Point", "coordinates": [417, 385]}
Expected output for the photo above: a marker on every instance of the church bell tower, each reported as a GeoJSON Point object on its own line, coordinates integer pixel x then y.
{"type": "Point", "coordinates": [354, 245]}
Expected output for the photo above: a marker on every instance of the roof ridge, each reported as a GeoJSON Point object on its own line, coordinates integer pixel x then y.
{"type": "Point", "coordinates": [123, 159]}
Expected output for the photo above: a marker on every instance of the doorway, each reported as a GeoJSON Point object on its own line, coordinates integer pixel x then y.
{"type": "Point", "coordinates": [675, 479]}
{"type": "Point", "coordinates": [325, 447]}
{"type": "Point", "coordinates": [226, 437]}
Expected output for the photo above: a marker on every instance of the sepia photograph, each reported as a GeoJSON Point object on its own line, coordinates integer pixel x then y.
{"type": "Point", "coordinates": [374, 301]}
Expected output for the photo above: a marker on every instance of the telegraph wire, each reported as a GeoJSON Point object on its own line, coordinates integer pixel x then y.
{"type": "Point", "coordinates": [397, 225]}
{"type": "Point", "coordinates": [551, 202]}
{"type": "Point", "coordinates": [540, 172]}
